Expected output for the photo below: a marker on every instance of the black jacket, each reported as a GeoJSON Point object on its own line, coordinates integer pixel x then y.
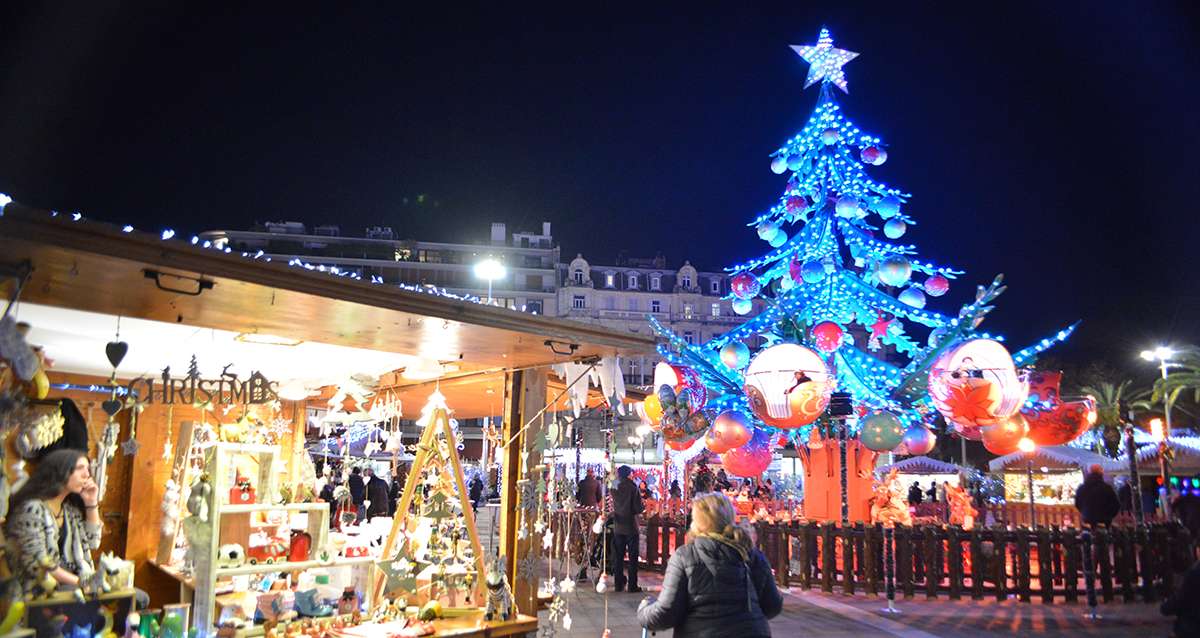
{"type": "Point", "coordinates": [476, 492]}
{"type": "Point", "coordinates": [1185, 604]}
{"type": "Point", "coordinates": [377, 493]}
{"type": "Point", "coordinates": [627, 504]}
{"type": "Point", "coordinates": [588, 492]}
{"type": "Point", "coordinates": [710, 592]}
{"type": "Point", "coordinates": [358, 489]}
{"type": "Point", "coordinates": [1096, 500]}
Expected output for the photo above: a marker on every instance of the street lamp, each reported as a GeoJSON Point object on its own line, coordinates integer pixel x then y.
{"type": "Point", "coordinates": [490, 270]}
{"type": "Point", "coordinates": [1027, 446]}
{"type": "Point", "coordinates": [1161, 354]}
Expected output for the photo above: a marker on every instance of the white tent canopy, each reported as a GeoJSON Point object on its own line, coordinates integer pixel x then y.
{"type": "Point", "coordinates": [921, 465]}
{"type": "Point", "coordinates": [1055, 457]}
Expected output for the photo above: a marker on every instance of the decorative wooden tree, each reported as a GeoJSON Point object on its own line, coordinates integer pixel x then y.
{"type": "Point", "coordinates": [433, 550]}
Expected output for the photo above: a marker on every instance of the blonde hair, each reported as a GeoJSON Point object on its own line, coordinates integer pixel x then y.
{"type": "Point", "coordinates": [713, 514]}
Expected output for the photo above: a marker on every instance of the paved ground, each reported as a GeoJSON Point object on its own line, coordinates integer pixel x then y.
{"type": "Point", "coordinates": [829, 615]}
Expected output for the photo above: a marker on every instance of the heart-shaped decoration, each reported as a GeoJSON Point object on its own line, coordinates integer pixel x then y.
{"type": "Point", "coordinates": [111, 407]}
{"type": "Point", "coordinates": [115, 351]}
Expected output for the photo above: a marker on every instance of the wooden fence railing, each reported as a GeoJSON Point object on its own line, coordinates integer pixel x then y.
{"type": "Point", "coordinates": [1044, 563]}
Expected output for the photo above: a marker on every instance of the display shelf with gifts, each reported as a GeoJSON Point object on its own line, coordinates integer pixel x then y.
{"type": "Point", "coordinates": [234, 543]}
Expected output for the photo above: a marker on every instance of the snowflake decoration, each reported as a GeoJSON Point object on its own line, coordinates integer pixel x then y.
{"type": "Point", "coordinates": [130, 447]}
{"type": "Point", "coordinates": [527, 567]}
{"type": "Point", "coordinates": [548, 540]}
{"type": "Point", "coordinates": [566, 586]}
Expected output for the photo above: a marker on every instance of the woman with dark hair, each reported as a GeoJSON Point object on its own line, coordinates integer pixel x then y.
{"type": "Point", "coordinates": [53, 520]}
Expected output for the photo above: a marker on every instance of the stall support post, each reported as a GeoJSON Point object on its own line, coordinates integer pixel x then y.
{"type": "Point", "coordinates": [1135, 481]}
{"type": "Point", "coordinates": [1029, 477]}
{"type": "Point", "coordinates": [525, 396]}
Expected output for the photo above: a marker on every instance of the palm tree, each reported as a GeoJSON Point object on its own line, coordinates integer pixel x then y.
{"type": "Point", "coordinates": [1183, 380]}
{"type": "Point", "coordinates": [1109, 397]}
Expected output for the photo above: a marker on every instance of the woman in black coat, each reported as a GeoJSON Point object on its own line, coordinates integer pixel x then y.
{"type": "Point", "coordinates": [717, 584]}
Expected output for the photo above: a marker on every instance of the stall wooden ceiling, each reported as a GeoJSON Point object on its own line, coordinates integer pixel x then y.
{"type": "Point", "coordinates": [98, 268]}
{"type": "Point", "coordinates": [481, 395]}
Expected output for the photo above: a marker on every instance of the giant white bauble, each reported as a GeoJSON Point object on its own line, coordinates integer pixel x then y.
{"type": "Point", "coordinates": [894, 228]}
{"type": "Point", "coordinates": [779, 165]}
{"type": "Point", "coordinates": [895, 271]}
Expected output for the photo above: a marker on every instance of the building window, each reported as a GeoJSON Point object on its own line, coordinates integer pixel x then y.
{"type": "Point", "coordinates": [633, 282]}
{"type": "Point", "coordinates": [716, 286]}
{"type": "Point", "coordinates": [687, 311]}
{"type": "Point", "coordinates": [655, 282]}
{"type": "Point", "coordinates": [578, 276]}
{"type": "Point", "coordinates": [633, 305]}
{"type": "Point", "coordinates": [533, 307]}
{"type": "Point", "coordinates": [610, 280]}
{"type": "Point", "coordinates": [655, 306]}
{"type": "Point", "coordinates": [610, 303]}
{"type": "Point", "coordinates": [689, 337]}
{"type": "Point", "coordinates": [579, 302]}
{"type": "Point", "coordinates": [716, 310]}
{"type": "Point", "coordinates": [687, 281]}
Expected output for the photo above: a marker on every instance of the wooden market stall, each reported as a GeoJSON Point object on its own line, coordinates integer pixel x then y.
{"type": "Point", "coordinates": [925, 473]}
{"type": "Point", "coordinates": [1057, 472]}
{"type": "Point", "coordinates": [72, 277]}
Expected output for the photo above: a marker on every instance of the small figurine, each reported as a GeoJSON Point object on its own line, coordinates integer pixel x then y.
{"type": "Point", "coordinates": [887, 506]}
{"type": "Point", "coordinates": [46, 583]}
{"type": "Point", "coordinates": [962, 512]}
{"type": "Point", "coordinates": [499, 594]}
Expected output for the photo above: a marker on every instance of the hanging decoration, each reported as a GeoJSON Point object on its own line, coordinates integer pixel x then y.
{"type": "Point", "coordinates": [1051, 420]}
{"type": "Point", "coordinates": [974, 384]}
{"type": "Point", "coordinates": [881, 431]}
{"type": "Point", "coordinates": [787, 386]}
{"type": "Point", "coordinates": [827, 336]}
{"type": "Point", "coordinates": [1002, 437]}
{"type": "Point", "coordinates": [751, 459]}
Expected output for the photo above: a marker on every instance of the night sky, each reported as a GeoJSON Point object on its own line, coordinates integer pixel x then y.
{"type": "Point", "coordinates": [1054, 142]}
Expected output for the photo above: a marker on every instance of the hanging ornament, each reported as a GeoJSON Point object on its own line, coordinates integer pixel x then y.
{"type": "Point", "coordinates": [895, 271]}
{"type": "Point", "coordinates": [735, 355]}
{"type": "Point", "coordinates": [879, 330]}
{"type": "Point", "coordinates": [935, 336]}
{"type": "Point", "coordinates": [729, 430]}
{"type": "Point", "coordinates": [652, 408]}
{"type": "Point", "coordinates": [116, 351]}
{"type": "Point", "coordinates": [812, 272]}
{"type": "Point", "coordinates": [937, 285]}
{"type": "Point", "coordinates": [785, 283]}
{"type": "Point", "coordinates": [919, 440]}
{"type": "Point", "coordinates": [847, 206]}
{"type": "Point", "coordinates": [794, 162]}
{"type": "Point", "coordinates": [778, 240]}
{"type": "Point", "coordinates": [751, 459]}
{"type": "Point", "coordinates": [830, 136]}
{"type": "Point", "coordinates": [767, 230]}
{"type": "Point", "coordinates": [787, 386]}
{"type": "Point", "coordinates": [871, 154]}
{"type": "Point", "coordinates": [913, 297]}
{"type": "Point", "coordinates": [1002, 437]}
{"type": "Point", "coordinates": [881, 431]}
{"type": "Point", "coordinates": [742, 306]}
{"type": "Point", "coordinates": [796, 204]}
{"type": "Point", "coordinates": [827, 336]}
{"type": "Point", "coordinates": [894, 228]}
{"type": "Point", "coordinates": [975, 383]}
{"type": "Point", "coordinates": [888, 207]}
{"type": "Point", "coordinates": [744, 285]}
{"type": "Point", "coordinates": [1051, 420]}
{"type": "Point", "coordinates": [779, 165]}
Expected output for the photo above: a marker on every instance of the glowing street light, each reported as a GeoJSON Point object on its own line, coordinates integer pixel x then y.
{"type": "Point", "coordinates": [1028, 446]}
{"type": "Point", "coordinates": [490, 270]}
{"type": "Point", "coordinates": [1161, 354]}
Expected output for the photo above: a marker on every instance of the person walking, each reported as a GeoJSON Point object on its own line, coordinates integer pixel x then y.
{"type": "Point", "coordinates": [1096, 500]}
{"type": "Point", "coordinates": [377, 494]}
{"type": "Point", "coordinates": [627, 504]}
{"type": "Point", "coordinates": [914, 493]}
{"type": "Point", "coordinates": [587, 494]}
{"type": "Point", "coordinates": [476, 492]}
{"type": "Point", "coordinates": [358, 491]}
{"type": "Point", "coordinates": [717, 584]}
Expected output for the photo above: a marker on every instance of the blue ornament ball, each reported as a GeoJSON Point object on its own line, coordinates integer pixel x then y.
{"type": "Point", "coordinates": [742, 306]}
{"type": "Point", "coordinates": [767, 230]}
{"type": "Point", "coordinates": [830, 136]}
{"type": "Point", "coordinates": [935, 336]}
{"type": "Point", "coordinates": [812, 272]}
{"type": "Point", "coordinates": [888, 207]}
{"type": "Point", "coordinates": [793, 162]}
{"type": "Point", "coordinates": [895, 271]}
{"type": "Point", "coordinates": [913, 297]}
{"type": "Point", "coordinates": [847, 207]}
{"type": "Point", "coordinates": [894, 228]}
{"type": "Point", "coordinates": [779, 165]}
{"type": "Point", "coordinates": [735, 355]}
{"type": "Point", "coordinates": [779, 239]}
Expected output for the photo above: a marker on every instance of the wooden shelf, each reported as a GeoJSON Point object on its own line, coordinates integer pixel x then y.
{"type": "Point", "coordinates": [265, 507]}
{"type": "Point", "coordinates": [263, 568]}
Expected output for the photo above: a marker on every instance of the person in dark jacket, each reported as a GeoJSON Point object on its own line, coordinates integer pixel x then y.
{"type": "Point", "coordinates": [1096, 500]}
{"type": "Point", "coordinates": [1186, 508]}
{"type": "Point", "coordinates": [476, 492]}
{"type": "Point", "coordinates": [915, 494]}
{"type": "Point", "coordinates": [717, 584]}
{"type": "Point", "coordinates": [627, 504]}
{"type": "Point", "coordinates": [358, 488]}
{"type": "Point", "coordinates": [1183, 604]}
{"type": "Point", "coordinates": [1125, 494]}
{"type": "Point", "coordinates": [377, 493]}
{"type": "Point", "coordinates": [587, 493]}
{"type": "Point", "coordinates": [674, 491]}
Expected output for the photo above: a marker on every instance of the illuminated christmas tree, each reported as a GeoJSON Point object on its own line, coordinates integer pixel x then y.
{"type": "Point", "coordinates": [836, 270]}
